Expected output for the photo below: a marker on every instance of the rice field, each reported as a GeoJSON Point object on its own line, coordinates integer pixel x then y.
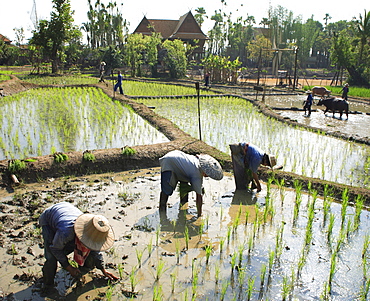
{"type": "Point", "coordinates": [44, 121]}
{"type": "Point", "coordinates": [226, 121]}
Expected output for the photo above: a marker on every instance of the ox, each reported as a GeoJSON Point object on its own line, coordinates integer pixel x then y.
{"type": "Point", "coordinates": [333, 104]}
{"type": "Point", "coordinates": [321, 91]}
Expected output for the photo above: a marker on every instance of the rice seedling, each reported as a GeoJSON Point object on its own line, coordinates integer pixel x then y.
{"type": "Point", "coordinates": [139, 256]}
{"type": "Point", "coordinates": [149, 246]}
{"type": "Point", "coordinates": [359, 204]}
{"type": "Point", "coordinates": [16, 165]}
{"type": "Point", "coordinates": [173, 281]}
{"type": "Point", "coordinates": [366, 245]}
{"type": "Point", "coordinates": [217, 272]}
{"type": "Point", "coordinates": [88, 156]}
{"type": "Point", "coordinates": [158, 293]}
{"type": "Point", "coordinates": [365, 290]}
{"type": "Point", "coordinates": [250, 287]}
{"type": "Point", "coordinates": [345, 199]}
{"type": "Point", "coordinates": [286, 288]}
{"type": "Point", "coordinates": [222, 242]}
{"type": "Point", "coordinates": [333, 263]}
{"type": "Point", "coordinates": [330, 226]}
{"type": "Point", "coordinates": [133, 280]}
{"type": "Point", "coordinates": [225, 285]}
{"type": "Point", "coordinates": [201, 229]}
{"type": "Point", "coordinates": [60, 157]}
{"type": "Point", "coordinates": [177, 247]}
{"type": "Point", "coordinates": [208, 249]}
{"type": "Point", "coordinates": [157, 232]}
{"type": "Point", "coordinates": [160, 269]}
{"type": "Point", "coordinates": [128, 151]}
{"type": "Point", "coordinates": [233, 261]}
{"type": "Point", "coordinates": [229, 229]}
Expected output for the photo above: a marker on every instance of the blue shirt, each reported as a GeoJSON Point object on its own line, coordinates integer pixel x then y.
{"type": "Point", "coordinates": [58, 222]}
{"type": "Point", "coordinates": [253, 157]}
{"type": "Point", "coordinates": [119, 79]}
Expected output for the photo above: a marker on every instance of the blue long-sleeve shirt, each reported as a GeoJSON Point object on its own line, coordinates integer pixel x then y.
{"type": "Point", "coordinates": [253, 157]}
{"type": "Point", "coordinates": [57, 223]}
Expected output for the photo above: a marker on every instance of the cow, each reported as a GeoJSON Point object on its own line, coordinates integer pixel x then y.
{"type": "Point", "coordinates": [321, 91]}
{"type": "Point", "coordinates": [334, 104]}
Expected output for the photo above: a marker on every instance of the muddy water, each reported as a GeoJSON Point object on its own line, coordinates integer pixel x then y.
{"type": "Point", "coordinates": [157, 260]}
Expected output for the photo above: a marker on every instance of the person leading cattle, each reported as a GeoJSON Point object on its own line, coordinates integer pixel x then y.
{"type": "Point", "coordinates": [345, 91]}
{"type": "Point", "coordinates": [65, 229]}
{"type": "Point", "coordinates": [308, 103]}
{"type": "Point", "coordinates": [177, 166]}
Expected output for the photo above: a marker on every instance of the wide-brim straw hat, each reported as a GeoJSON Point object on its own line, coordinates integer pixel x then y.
{"type": "Point", "coordinates": [271, 160]}
{"type": "Point", "coordinates": [210, 167]}
{"type": "Point", "coordinates": [308, 92]}
{"type": "Point", "coordinates": [94, 232]}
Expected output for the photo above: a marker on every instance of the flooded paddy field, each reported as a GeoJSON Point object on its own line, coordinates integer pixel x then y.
{"type": "Point", "coordinates": [278, 244]}
{"type": "Point", "coordinates": [228, 120]}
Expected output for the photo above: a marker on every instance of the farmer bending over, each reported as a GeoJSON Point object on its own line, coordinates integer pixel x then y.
{"type": "Point", "coordinates": [176, 166]}
{"type": "Point", "coordinates": [249, 157]}
{"type": "Point", "coordinates": [65, 229]}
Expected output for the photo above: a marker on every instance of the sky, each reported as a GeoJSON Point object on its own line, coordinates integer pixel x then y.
{"type": "Point", "coordinates": [17, 13]}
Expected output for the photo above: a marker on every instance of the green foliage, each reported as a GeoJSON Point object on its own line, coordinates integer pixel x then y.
{"type": "Point", "coordinates": [128, 151]}
{"type": "Point", "coordinates": [176, 58]}
{"type": "Point", "coordinates": [60, 157]}
{"type": "Point", "coordinates": [88, 156]}
{"type": "Point", "coordinates": [16, 165]}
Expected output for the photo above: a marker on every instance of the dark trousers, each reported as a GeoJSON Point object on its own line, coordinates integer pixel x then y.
{"type": "Point", "coordinates": [118, 86]}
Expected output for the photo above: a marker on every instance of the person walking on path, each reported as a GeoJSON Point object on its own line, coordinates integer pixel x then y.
{"type": "Point", "coordinates": [118, 83]}
{"type": "Point", "coordinates": [102, 72]}
{"type": "Point", "coordinates": [177, 166]}
{"type": "Point", "coordinates": [345, 91]}
{"type": "Point", "coordinates": [308, 103]}
{"type": "Point", "coordinates": [246, 159]}
{"type": "Point", "coordinates": [65, 229]}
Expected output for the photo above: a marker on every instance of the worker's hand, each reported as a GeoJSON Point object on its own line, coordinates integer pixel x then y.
{"type": "Point", "coordinates": [109, 275]}
{"type": "Point", "coordinates": [73, 271]}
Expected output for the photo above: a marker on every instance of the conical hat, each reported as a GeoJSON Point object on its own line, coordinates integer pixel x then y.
{"type": "Point", "coordinates": [94, 232]}
{"type": "Point", "coordinates": [210, 167]}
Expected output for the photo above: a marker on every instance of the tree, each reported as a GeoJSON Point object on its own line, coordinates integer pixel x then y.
{"type": "Point", "coordinates": [200, 12]}
{"type": "Point", "coordinates": [52, 36]}
{"type": "Point", "coordinates": [175, 58]}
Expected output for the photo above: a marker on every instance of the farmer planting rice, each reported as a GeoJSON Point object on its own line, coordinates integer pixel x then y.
{"type": "Point", "coordinates": [246, 159]}
{"type": "Point", "coordinates": [65, 229]}
{"type": "Point", "coordinates": [177, 166]}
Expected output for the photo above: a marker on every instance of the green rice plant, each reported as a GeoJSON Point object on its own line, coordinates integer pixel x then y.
{"type": "Point", "coordinates": [128, 151]}
{"type": "Point", "coordinates": [173, 281]}
{"type": "Point", "coordinates": [222, 242]}
{"type": "Point", "coordinates": [160, 269]}
{"type": "Point", "coordinates": [286, 287]}
{"type": "Point", "coordinates": [120, 270]}
{"type": "Point", "coordinates": [326, 207]}
{"type": "Point", "coordinates": [109, 293]}
{"type": "Point", "coordinates": [366, 245]}
{"type": "Point", "coordinates": [250, 287]}
{"type": "Point", "coordinates": [271, 258]}
{"type": "Point", "coordinates": [365, 290]}
{"type": "Point", "coordinates": [359, 204]}
{"type": "Point", "coordinates": [158, 293]}
{"type": "Point", "coordinates": [325, 295]}
{"type": "Point", "coordinates": [139, 256]}
{"type": "Point", "coordinates": [262, 276]}
{"type": "Point", "coordinates": [246, 215]}
{"type": "Point", "coordinates": [16, 165]}
{"type": "Point", "coordinates": [194, 285]}
{"type": "Point", "coordinates": [228, 235]}
{"type": "Point", "coordinates": [177, 247]}
{"type": "Point", "coordinates": [149, 246]}
{"type": "Point", "coordinates": [60, 157]}
{"type": "Point", "coordinates": [88, 156]}
{"type": "Point", "coordinates": [233, 261]}
{"type": "Point", "coordinates": [225, 285]}
{"type": "Point", "coordinates": [330, 226]}
{"type": "Point", "coordinates": [217, 272]}
{"type": "Point", "coordinates": [133, 279]}
{"type": "Point", "coordinates": [208, 249]}
{"type": "Point", "coordinates": [240, 252]}
{"type": "Point", "coordinates": [333, 264]}
{"type": "Point", "coordinates": [201, 229]}
{"type": "Point", "coordinates": [186, 235]}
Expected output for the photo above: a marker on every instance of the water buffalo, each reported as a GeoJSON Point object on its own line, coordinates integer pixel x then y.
{"type": "Point", "coordinates": [334, 104]}
{"type": "Point", "coordinates": [321, 91]}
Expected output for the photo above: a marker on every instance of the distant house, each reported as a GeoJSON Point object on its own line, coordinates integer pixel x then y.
{"type": "Point", "coordinates": [5, 39]}
{"type": "Point", "coordinates": [185, 29]}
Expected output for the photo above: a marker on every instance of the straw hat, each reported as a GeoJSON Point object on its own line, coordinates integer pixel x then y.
{"type": "Point", "coordinates": [94, 232]}
{"type": "Point", "coordinates": [210, 167]}
{"type": "Point", "coordinates": [308, 92]}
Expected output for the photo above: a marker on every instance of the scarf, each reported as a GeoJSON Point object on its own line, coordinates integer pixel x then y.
{"type": "Point", "coordinates": [80, 252]}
